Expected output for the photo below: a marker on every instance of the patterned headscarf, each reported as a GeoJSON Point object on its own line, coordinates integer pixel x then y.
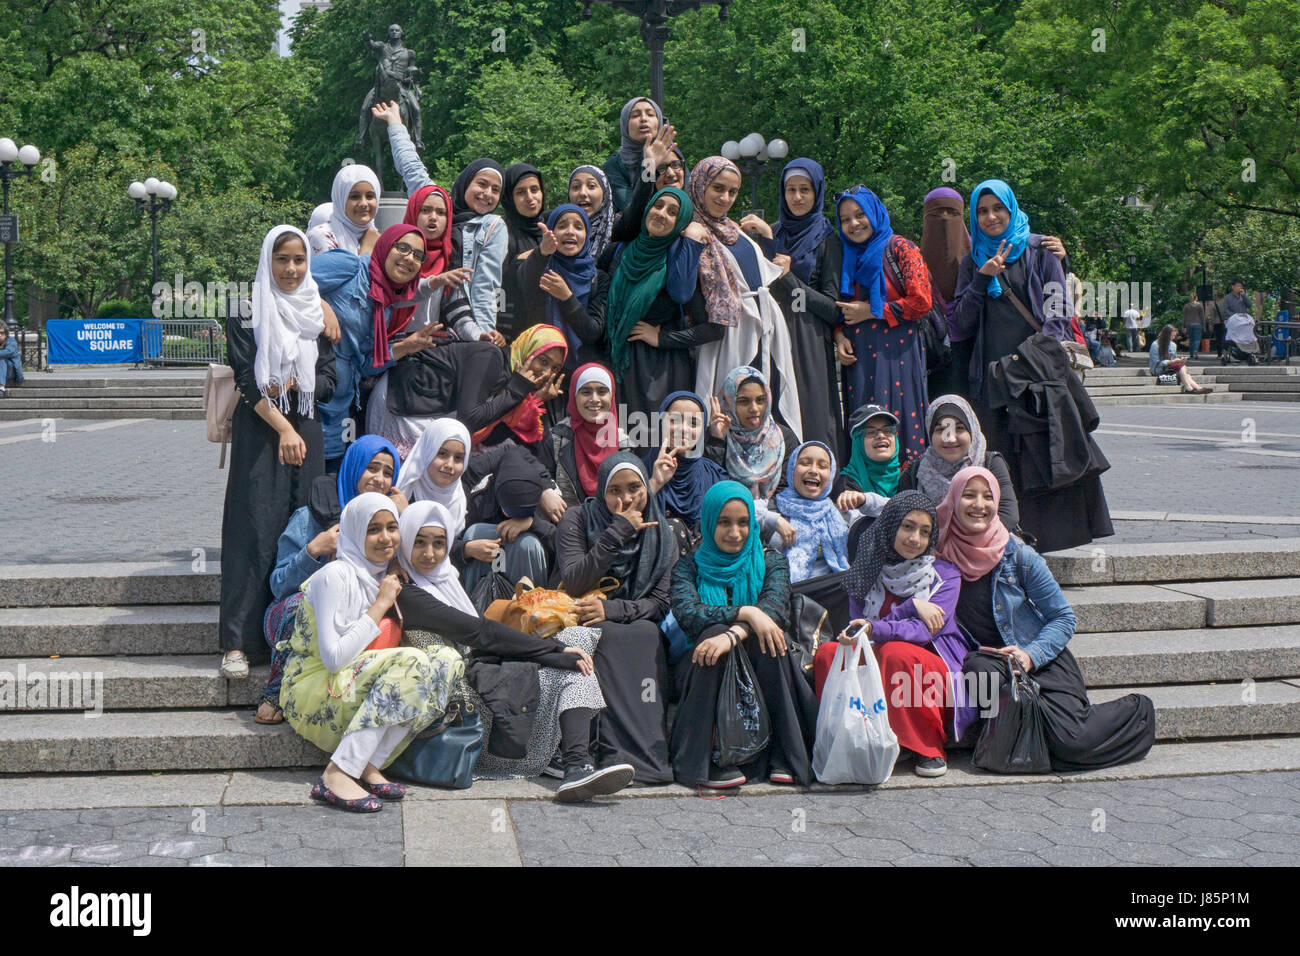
{"type": "Point", "coordinates": [602, 223]}
{"type": "Point", "coordinates": [721, 282]}
{"type": "Point", "coordinates": [818, 524]}
{"type": "Point", "coordinates": [935, 472]}
{"type": "Point", "coordinates": [525, 420]}
{"type": "Point", "coordinates": [754, 455]}
{"type": "Point", "coordinates": [878, 568]}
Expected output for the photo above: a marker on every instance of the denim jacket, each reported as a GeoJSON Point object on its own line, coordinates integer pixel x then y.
{"type": "Point", "coordinates": [1030, 610]}
{"type": "Point", "coordinates": [483, 238]}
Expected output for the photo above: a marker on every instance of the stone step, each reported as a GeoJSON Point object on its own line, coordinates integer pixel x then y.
{"type": "Point", "coordinates": [64, 404]}
{"type": "Point", "coordinates": [8, 414]}
{"type": "Point", "coordinates": [1253, 386]}
{"type": "Point", "coordinates": [149, 741]}
{"type": "Point", "coordinates": [111, 391]}
{"type": "Point", "coordinates": [96, 631]}
{"type": "Point", "coordinates": [1173, 397]}
{"type": "Point", "coordinates": [116, 583]}
{"type": "Point", "coordinates": [1145, 388]}
{"type": "Point", "coordinates": [1268, 396]}
{"type": "Point", "coordinates": [1248, 602]}
{"type": "Point", "coordinates": [124, 683]}
{"type": "Point", "coordinates": [1121, 658]}
{"type": "Point", "coordinates": [1255, 372]}
{"type": "Point", "coordinates": [1103, 563]}
{"type": "Point", "coordinates": [1126, 607]}
{"type": "Point", "coordinates": [1234, 709]}
{"type": "Point", "coordinates": [119, 381]}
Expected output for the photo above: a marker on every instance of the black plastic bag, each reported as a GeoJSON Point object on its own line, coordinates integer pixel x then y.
{"type": "Point", "coordinates": [742, 727]}
{"type": "Point", "coordinates": [1013, 740]}
{"type": "Point", "coordinates": [494, 586]}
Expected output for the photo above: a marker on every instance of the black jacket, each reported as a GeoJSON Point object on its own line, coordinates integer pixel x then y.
{"type": "Point", "coordinates": [1050, 414]}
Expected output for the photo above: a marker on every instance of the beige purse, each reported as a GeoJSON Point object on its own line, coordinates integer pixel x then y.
{"type": "Point", "coordinates": [219, 400]}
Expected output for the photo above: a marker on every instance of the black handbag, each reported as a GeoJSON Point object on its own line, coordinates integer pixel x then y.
{"type": "Point", "coordinates": [742, 727]}
{"type": "Point", "coordinates": [445, 754]}
{"type": "Point", "coordinates": [810, 627]}
{"type": "Point", "coordinates": [1013, 739]}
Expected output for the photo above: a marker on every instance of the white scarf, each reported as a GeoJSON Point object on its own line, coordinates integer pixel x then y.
{"type": "Point", "coordinates": [443, 582]}
{"type": "Point", "coordinates": [414, 480]}
{"type": "Point", "coordinates": [351, 580]}
{"type": "Point", "coordinates": [907, 579]}
{"type": "Point", "coordinates": [347, 234]}
{"type": "Point", "coordinates": [320, 215]}
{"type": "Point", "coordinates": [286, 326]}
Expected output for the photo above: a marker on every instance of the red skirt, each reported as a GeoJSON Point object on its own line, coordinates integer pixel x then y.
{"type": "Point", "coordinates": [916, 681]}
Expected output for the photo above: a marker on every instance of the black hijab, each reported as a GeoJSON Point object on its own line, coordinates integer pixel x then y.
{"type": "Point", "coordinates": [521, 225]}
{"type": "Point", "coordinates": [460, 211]}
{"type": "Point", "coordinates": [646, 557]}
{"type": "Point", "coordinates": [877, 547]}
{"type": "Point", "coordinates": [518, 484]}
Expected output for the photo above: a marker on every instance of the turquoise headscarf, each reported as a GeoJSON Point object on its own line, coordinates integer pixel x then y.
{"type": "Point", "coordinates": [984, 247]}
{"type": "Point", "coordinates": [716, 570]}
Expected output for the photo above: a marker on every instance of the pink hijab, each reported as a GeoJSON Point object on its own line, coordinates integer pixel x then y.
{"type": "Point", "coordinates": [974, 553]}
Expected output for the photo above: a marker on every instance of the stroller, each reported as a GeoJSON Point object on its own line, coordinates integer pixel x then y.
{"type": "Point", "coordinates": [1239, 340]}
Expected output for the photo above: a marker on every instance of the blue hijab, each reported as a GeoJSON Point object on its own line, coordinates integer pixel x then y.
{"type": "Point", "coordinates": [799, 237]}
{"type": "Point", "coordinates": [984, 247]}
{"type": "Point", "coordinates": [355, 460]}
{"type": "Point", "coordinates": [818, 524]}
{"type": "Point", "coordinates": [715, 570]}
{"type": "Point", "coordinates": [577, 271]}
{"type": "Point", "coordinates": [684, 492]}
{"type": "Point", "coordinates": [864, 263]}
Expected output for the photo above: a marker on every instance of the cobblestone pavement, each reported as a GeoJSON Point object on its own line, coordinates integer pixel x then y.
{"type": "Point", "coordinates": [1230, 820]}
{"type": "Point", "coordinates": [151, 490]}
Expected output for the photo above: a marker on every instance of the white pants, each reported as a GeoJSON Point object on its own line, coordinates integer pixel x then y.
{"type": "Point", "coordinates": [372, 745]}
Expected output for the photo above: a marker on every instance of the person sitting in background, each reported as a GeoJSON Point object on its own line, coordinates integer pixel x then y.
{"type": "Point", "coordinates": [1164, 360]}
{"type": "Point", "coordinates": [11, 362]}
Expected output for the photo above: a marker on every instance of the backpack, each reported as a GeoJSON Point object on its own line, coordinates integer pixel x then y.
{"type": "Point", "coordinates": [219, 400]}
{"type": "Point", "coordinates": [934, 327]}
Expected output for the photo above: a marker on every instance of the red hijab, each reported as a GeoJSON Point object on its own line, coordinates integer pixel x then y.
{"type": "Point", "coordinates": [384, 292]}
{"type": "Point", "coordinates": [438, 251]}
{"type": "Point", "coordinates": [592, 443]}
{"type": "Point", "coordinates": [974, 553]}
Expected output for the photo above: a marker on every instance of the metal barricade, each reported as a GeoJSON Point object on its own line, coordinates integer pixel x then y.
{"type": "Point", "coordinates": [183, 342]}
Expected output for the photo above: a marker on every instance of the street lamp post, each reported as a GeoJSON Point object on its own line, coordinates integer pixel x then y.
{"type": "Point", "coordinates": [752, 154]}
{"type": "Point", "coordinates": [156, 197]}
{"type": "Point", "coordinates": [654, 16]}
{"type": "Point", "coordinates": [28, 157]}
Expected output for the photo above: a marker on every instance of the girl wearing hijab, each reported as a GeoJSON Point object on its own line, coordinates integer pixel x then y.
{"type": "Point", "coordinates": [434, 468]}
{"type": "Point", "coordinates": [319, 216]}
{"type": "Point", "coordinates": [620, 533]}
{"type": "Point", "coordinates": [1012, 607]}
{"type": "Point", "coordinates": [590, 191]}
{"type": "Point", "coordinates": [588, 436]}
{"type": "Point", "coordinates": [437, 613]}
{"type": "Point", "coordinates": [375, 297]}
{"type": "Point", "coordinates": [945, 242]}
{"type": "Point", "coordinates": [733, 276]}
{"type": "Point", "coordinates": [310, 540]}
{"type": "Point", "coordinates": [284, 369]}
{"type": "Point", "coordinates": [478, 236]}
{"type": "Point", "coordinates": [654, 312]}
{"type": "Point", "coordinates": [498, 394]}
{"type": "Point", "coordinates": [956, 442]}
{"type": "Point", "coordinates": [354, 200]}
{"type": "Point", "coordinates": [638, 122]}
{"type": "Point", "coordinates": [871, 476]}
{"type": "Point", "coordinates": [807, 238]}
{"type": "Point", "coordinates": [348, 687]}
{"type": "Point", "coordinates": [731, 597]}
{"type": "Point", "coordinates": [523, 199]}
{"type": "Point", "coordinates": [680, 474]}
{"type": "Point", "coordinates": [884, 295]}
{"type": "Point", "coordinates": [906, 597]}
{"type": "Point", "coordinates": [745, 438]}
{"type": "Point", "coordinates": [561, 286]}
{"type": "Point", "coordinates": [660, 153]}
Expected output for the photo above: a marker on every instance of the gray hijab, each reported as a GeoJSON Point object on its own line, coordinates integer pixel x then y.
{"type": "Point", "coordinates": [629, 150]}
{"type": "Point", "coordinates": [934, 473]}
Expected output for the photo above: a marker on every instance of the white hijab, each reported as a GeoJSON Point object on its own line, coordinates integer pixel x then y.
{"type": "Point", "coordinates": [443, 582]}
{"type": "Point", "coordinates": [414, 480]}
{"type": "Point", "coordinates": [285, 327]}
{"type": "Point", "coordinates": [320, 215]}
{"type": "Point", "coordinates": [346, 232]}
{"type": "Point", "coordinates": [351, 580]}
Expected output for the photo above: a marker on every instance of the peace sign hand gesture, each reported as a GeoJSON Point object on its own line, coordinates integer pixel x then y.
{"type": "Point", "coordinates": [996, 263]}
{"type": "Point", "coordinates": [719, 421]}
{"type": "Point", "coordinates": [665, 466]}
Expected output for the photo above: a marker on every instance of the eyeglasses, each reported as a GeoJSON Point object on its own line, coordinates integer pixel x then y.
{"type": "Point", "coordinates": [675, 165]}
{"type": "Point", "coordinates": [410, 252]}
{"type": "Point", "coordinates": [878, 432]}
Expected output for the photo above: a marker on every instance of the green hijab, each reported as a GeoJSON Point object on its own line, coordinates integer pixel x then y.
{"type": "Point", "coordinates": [878, 476]}
{"type": "Point", "coordinates": [641, 273]}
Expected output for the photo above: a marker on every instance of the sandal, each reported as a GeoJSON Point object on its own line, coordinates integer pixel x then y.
{"type": "Point", "coordinates": [275, 715]}
{"type": "Point", "coordinates": [234, 665]}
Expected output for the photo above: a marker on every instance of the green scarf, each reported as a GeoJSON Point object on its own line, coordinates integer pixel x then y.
{"type": "Point", "coordinates": [878, 476]}
{"type": "Point", "coordinates": [641, 273]}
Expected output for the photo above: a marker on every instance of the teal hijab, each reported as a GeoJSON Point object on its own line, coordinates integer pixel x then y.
{"type": "Point", "coordinates": [878, 476]}
{"type": "Point", "coordinates": [715, 570]}
{"type": "Point", "coordinates": [640, 275]}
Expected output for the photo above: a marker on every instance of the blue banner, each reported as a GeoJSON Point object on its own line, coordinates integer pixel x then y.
{"type": "Point", "coordinates": [94, 341]}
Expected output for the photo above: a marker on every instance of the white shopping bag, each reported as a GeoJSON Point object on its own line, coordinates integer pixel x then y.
{"type": "Point", "coordinates": [855, 743]}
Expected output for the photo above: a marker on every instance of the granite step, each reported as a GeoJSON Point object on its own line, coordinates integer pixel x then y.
{"type": "Point", "coordinates": [113, 583]}
{"type": "Point", "coordinates": [1242, 603]}
{"type": "Point", "coordinates": [1103, 563]}
{"type": "Point", "coordinates": [58, 381]}
{"type": "Point", "coordinates": [1268, 396]}
{"type": "Point", "coordinates": [9, 414]}
{"type": "Point", "coordinates": [1124, 607]}
{"type": "Point", "coordinates": [165, 682]}
{"type": "Point", "coordinates": [103, 631]}
{"type": "Point", "coordinates": [1121, 658]}
{"type": "Point", "coordinates": [58, 391]}
{"type": "Point", "coordinates": [96, 401]}
{"type": "Point", "coordinates": [1142, 388]}
{"type": "Point", "coordinates": [1174, 397]}
{"type": "Point", "coordinates": [1230, 709]}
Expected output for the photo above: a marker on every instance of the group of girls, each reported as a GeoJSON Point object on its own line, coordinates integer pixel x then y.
{"type": "Point", "coordinates": [423, 405]}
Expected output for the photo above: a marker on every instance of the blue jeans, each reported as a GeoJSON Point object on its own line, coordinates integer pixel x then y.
{"type": "Point", "coordinates": [11, 372]}
{"type": "Point", "coordinates": [1132, 339]}
{"type": "Point", "coordinates": [1194, 339]}
{"type": "Point", "coordinates": [525, 556]}
{"type": "Point", "coordinates": [335, 413]}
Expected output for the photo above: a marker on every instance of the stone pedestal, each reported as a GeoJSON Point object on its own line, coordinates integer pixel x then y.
{"type": "Point", "coordinates": [392, 207]}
